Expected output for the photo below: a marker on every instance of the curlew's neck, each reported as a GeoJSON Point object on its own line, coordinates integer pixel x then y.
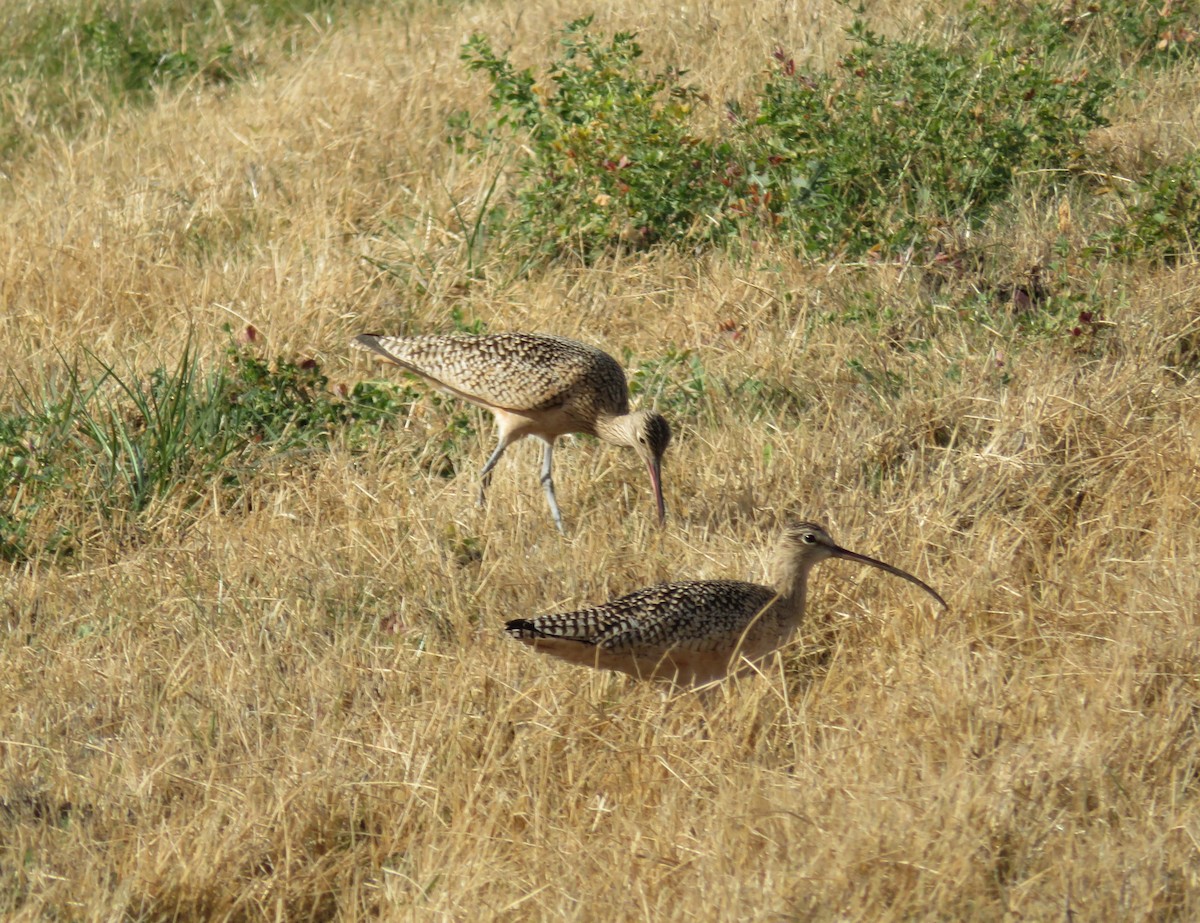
{"type": "Point", "coordinates": [789, 578]}
{"type": "Point", "coordinates": [617, 428]}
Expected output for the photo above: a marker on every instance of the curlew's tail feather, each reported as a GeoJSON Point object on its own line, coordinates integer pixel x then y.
{"type": "Point", "coordinates": [528, 631]}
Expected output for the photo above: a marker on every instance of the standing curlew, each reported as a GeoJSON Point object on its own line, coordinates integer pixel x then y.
{"type": "Point", "coordinates": [544, 386]}
{"type": "Point", "coordinates": [696, 632]}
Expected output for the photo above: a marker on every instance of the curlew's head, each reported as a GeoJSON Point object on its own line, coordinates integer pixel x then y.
{"type": "Point", "coordinates": [649, 434]}
{"type": "Point", "coordinates": [805, 544]}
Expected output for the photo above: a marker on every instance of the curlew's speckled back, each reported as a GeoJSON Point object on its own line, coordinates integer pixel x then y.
{"type": "Point", "coordinates": [696, 615]}
{"type": "Point", "coordinates": [689, 633]}
{"type": "Point", "coordinates": [519, 372]}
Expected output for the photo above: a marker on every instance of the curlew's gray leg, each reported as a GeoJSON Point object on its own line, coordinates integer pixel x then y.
{"type": "Point", "coordinates": [548, 484]}
{"type": "Point", "coordinates": [485, 474]}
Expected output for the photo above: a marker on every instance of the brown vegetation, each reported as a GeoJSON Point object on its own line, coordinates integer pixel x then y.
{"type": "Point", "coordinates": [304, 707]}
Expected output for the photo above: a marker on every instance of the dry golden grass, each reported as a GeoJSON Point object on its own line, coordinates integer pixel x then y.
{"type": "Point", "coordinates": [305, 708]}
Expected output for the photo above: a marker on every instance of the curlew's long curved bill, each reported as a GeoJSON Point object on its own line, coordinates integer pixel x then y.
{"type": "Point", "coordinates": [840, 552]}
{"type": "Point", "coordinates": [655, 466]}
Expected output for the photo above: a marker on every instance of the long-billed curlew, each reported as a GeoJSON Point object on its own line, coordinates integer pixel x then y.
{"type": "Point", "coordinates": [544, 386]}
{"type": "Point", "coordinates": [695, 632]}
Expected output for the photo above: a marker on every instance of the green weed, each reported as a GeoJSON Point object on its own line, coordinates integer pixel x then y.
{"type": "Point", "coordinates": [676, 384]}
{"type": "Point", "coordinates": [1162, 214]}
{"type": "Point", "coordinates": [883, 383]}
{"type": "Point", "coordinates": [608, 153]}
{"type": "Point", "coordinates": [117, 442]}
{"type": "Point", "coordinates": [908, 137]}
{"type": "Point", "coordinates": [904, 138]}
{"type": "Point", "coordinates": [31, 470]}
{"type": "Point", "coordinates": [1112, 35]}
{"type": "Point", "coordinates": [150, 436]}
{"type": "Point", "coordinates": [756, 397]}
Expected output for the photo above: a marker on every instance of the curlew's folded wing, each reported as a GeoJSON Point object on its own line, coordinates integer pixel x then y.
{"type": "Point", "coordinates": [512, 371]}
{"type": "Point", "coordinates": [701, 616]}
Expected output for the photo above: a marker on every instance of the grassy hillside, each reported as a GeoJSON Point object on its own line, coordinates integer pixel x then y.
{"type": "Point", "coordinates": [927, 274]}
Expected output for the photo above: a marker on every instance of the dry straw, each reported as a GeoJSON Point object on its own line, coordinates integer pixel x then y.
{"type": "Point", "coordinates": [305, 707]}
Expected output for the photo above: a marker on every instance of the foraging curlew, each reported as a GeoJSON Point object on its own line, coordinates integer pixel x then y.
{"type": "Point", "coordinates": [696, 632]}
{"type": "Point", "coordinates": [544, 386]}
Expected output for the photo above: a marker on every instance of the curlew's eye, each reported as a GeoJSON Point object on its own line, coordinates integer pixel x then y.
{"type": "Point", "coordinates": [808, 538]}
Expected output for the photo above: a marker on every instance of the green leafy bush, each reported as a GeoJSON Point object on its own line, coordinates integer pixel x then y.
{"type": "Point", "coordinates": [904, 137]}
{"type": "Point", "coordinates": [908, 136]}
{"type": "Point", "coordinates": [608, 154]}
{"type": "Point", "coordinates": [1162, 214]}
{"type": "Point", "coordinates": [1111, 34]}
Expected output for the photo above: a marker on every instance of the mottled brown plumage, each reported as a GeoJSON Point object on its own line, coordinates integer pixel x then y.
{"type": "Point", "coordinates": [696, 632]}
{"type": "Point", "coordinates": [535, 385]}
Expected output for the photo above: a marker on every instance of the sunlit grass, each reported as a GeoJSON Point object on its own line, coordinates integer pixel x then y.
{"type": "Point", "coordinates": [277, 684]}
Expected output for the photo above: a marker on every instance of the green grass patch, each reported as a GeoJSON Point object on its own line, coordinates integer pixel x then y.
{"type": "Point", "coordinates": [115, 442]}
{"type": "Point", "coordinates": [676, 383]}
{"type": "Point", "coordinates": [65, 63]}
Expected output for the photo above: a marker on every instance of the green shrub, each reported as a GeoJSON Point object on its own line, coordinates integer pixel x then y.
{"type": "Point", "coordinates": [907, 136]}
{"type": "Point", "coordinates": [903, 138]}
{"type": "Point", "coordinates": [1111, 35]}
{"type": "Point", "coordinates": [607, 154]}
{"type": "Point", "coordinates": [1162, 214]}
